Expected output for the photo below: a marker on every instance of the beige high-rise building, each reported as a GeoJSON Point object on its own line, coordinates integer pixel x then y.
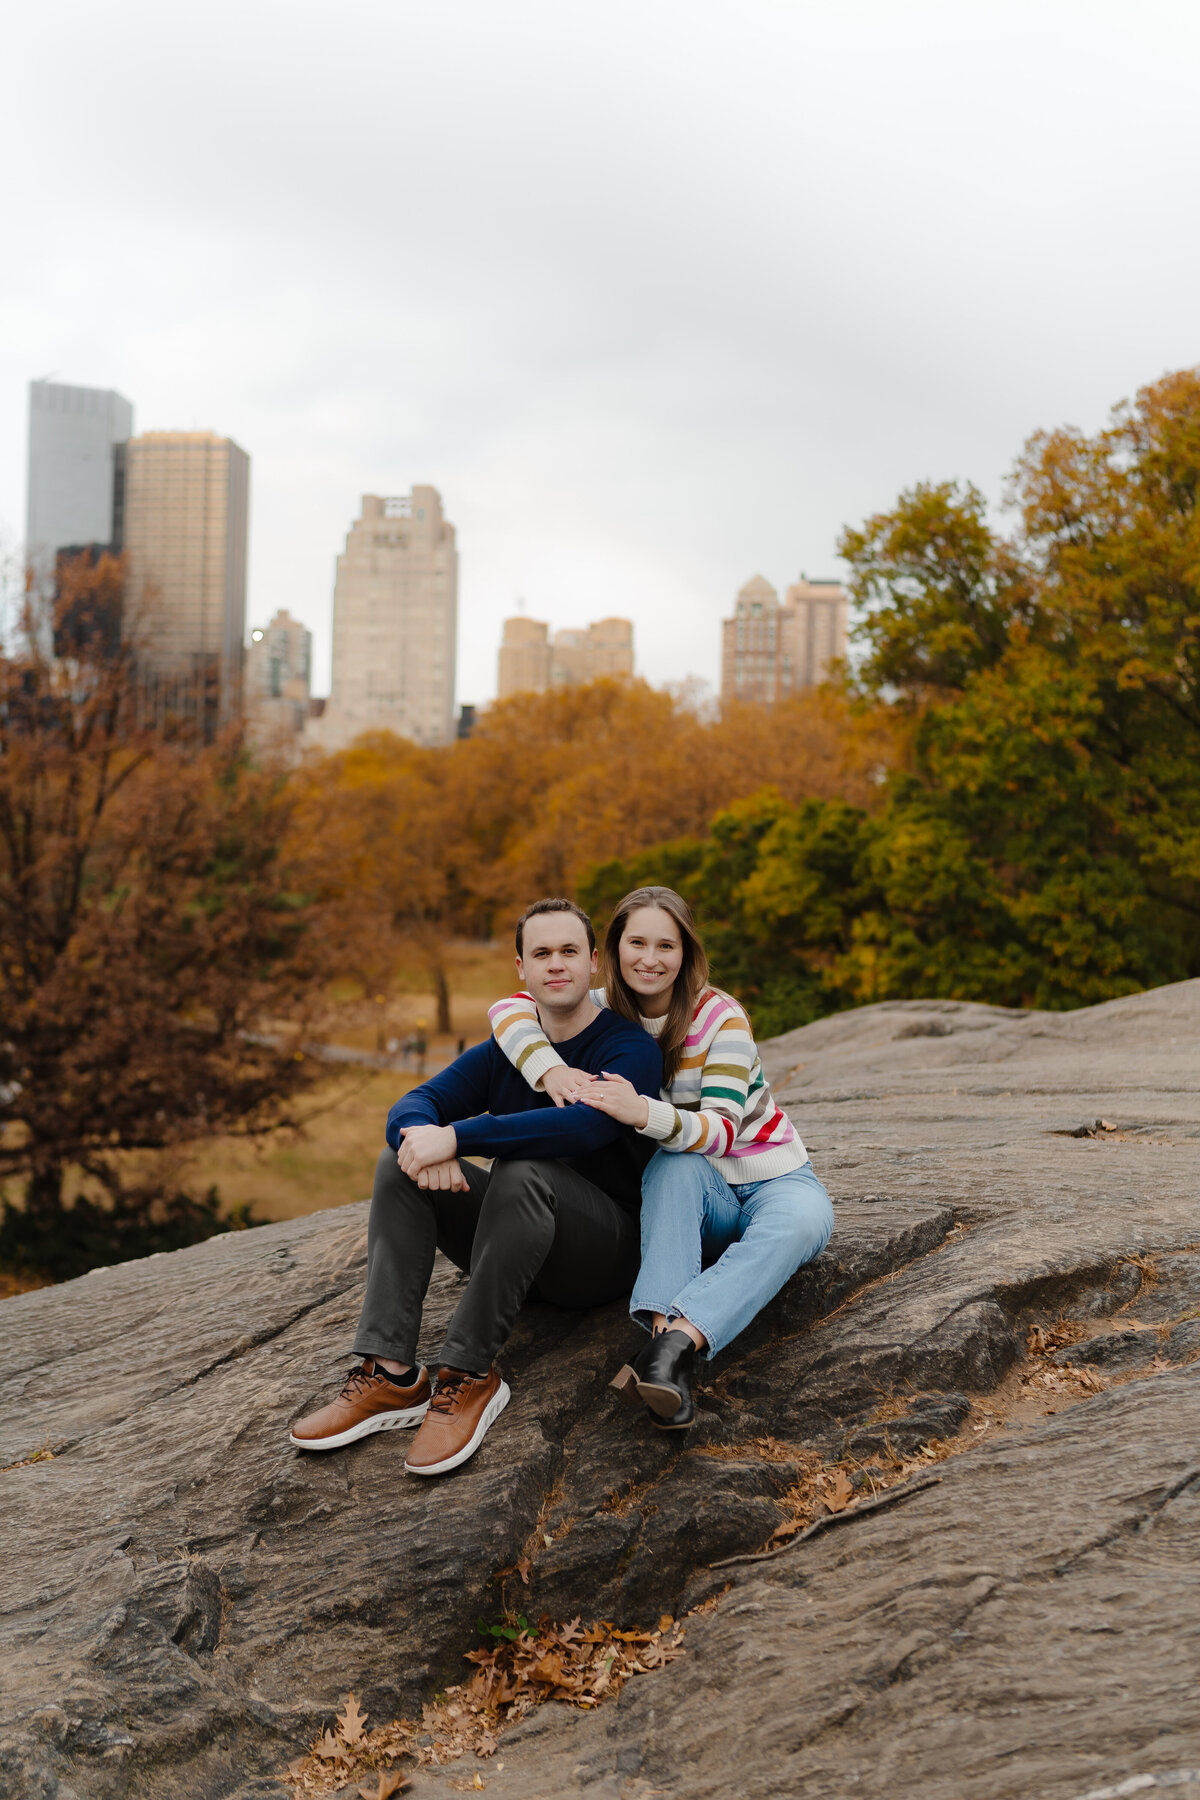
{"type": "Point", "coordinates": [186, 523]}
{"type": "Point", "coordinates": [770, 650]}
{"type": "Point", "coordinates": [395, 624]}
{"type": "Point", "coordinates": [816, 617]}
{"type": "Point", "coordinates": [524, 657]}
{"type": "Point", "coordinates": [531, 661]}
{"type": "Point", "coordinates": [278, 678]}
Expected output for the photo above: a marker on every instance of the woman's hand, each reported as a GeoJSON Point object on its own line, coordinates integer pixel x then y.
{"type": "Point", "coordinates": [618, 1098]}
{"type": "Point", "coordinates": [564, 1085]}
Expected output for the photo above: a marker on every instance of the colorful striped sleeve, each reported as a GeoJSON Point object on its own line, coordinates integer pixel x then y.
{"type": "Point", "coordinates": [518, 1032]}
{"type": "Point", "coordinates": [720, 1049]}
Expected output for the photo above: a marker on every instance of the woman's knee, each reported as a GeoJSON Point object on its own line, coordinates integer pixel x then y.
{"type": "Point", "coordinates": [672, 1177]}
{"type": "Point", "coordinates": [801, 1220]}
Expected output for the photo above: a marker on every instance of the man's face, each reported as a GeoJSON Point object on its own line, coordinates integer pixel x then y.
{"type": "Point", "coordinates": [556, 965]}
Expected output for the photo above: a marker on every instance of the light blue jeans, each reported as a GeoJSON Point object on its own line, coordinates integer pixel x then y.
{"type": "Point", "coordinates": [753, 1237]}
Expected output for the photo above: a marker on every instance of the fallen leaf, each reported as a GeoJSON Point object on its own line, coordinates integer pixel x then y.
{"type": "Point", "coordinates": [389, 1784]}
{"type": "Point", "coordinates": [351, 1721]}
{"type": "Point", "coordinates": [666, 1622]}
{"type": "Point", "coordinates": [523, 1568]}
{"type": "Point", "coordinates": [329, 1747]}
{"type": "Point", "coordinates": [838, 1492]}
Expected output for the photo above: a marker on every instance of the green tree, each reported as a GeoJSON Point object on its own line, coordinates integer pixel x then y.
{"type": "Point", "coordinates": [1041, 847]}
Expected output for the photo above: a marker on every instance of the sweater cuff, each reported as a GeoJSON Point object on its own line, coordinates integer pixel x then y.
{"type": "Point", "coordinates": [537, 1063]}
{"type": "Point", "coordinates": [662, 1120]}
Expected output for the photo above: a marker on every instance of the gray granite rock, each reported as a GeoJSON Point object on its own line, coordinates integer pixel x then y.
{"type": "Point", "coordinates": [184, 1597]}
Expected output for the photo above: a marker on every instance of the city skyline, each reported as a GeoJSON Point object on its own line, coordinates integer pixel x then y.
{"type": "Point", "coordinates": [638, 371]}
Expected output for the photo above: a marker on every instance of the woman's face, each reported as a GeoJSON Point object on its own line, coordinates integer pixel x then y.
{"type": "Point", "coordinates": [651, 952]}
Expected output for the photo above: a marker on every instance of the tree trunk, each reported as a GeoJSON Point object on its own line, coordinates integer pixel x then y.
{"type": "Point", "coordinates": [43, 1193]}
{"type": "Point", "coordinates": [441, 989]}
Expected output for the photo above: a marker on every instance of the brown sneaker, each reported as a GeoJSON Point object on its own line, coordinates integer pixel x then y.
{"type": "Point", "coordinates": [462, 1409]}
{"type": "Point", "coordinates": [370, 1401]}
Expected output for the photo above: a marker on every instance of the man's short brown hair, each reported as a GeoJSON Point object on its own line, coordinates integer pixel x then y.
{"type": "Point", "coordinates": [553, 906]}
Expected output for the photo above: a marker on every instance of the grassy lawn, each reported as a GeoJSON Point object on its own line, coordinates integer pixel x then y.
{"type": "Point", "coordinates": [332, 1159]}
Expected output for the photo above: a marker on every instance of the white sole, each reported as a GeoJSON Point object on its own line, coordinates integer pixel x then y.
{"type": "Point", "coordinates": [491, 1413]}
{"type": "Point", "coordinates": [391, 1421]}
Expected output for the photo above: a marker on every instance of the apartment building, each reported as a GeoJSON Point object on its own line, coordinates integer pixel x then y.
{"type": "Point", "coordinates": [395, 624]}
{"type": "Point", "coordinates": [278, 678]}
{"type": "Point", "coordinates": [534, 661]}
{"type": "Point", "coordinates": [770, 649]}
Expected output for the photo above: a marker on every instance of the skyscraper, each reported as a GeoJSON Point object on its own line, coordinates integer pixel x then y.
{"type": "Point", "coordinates": [395, 624]}
{"type": "Point", "coordinates": [186, 507]}
{"type": "Point", "coordinates": [769, 650]}
{"type": "Point", "coordinates": [532, 661]}
{"type": "Point", "coordinates": [73, 433]}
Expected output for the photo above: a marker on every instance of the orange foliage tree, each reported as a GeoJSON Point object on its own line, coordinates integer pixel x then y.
{"type": "Point", "coordinates": [415, 845]}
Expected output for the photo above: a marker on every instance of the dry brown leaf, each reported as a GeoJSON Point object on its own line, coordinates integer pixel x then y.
{"type": "Point", "coordinates": [329, 1747]}
{"type": "Point", "coordinates": [666, 1622]}
{"type": "Point", "coordinates": [351, 1722]}
{"type": "Point", "coordinates": [389, 1783]}
{"type": "Point", "coordinates": [838, 1491]}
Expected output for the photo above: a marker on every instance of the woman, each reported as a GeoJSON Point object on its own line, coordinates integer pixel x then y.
{"type": "Point", "coordinates": [731, 1207]}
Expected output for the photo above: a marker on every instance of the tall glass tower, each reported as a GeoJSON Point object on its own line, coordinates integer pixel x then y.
{"type": "Point", "coordinates": [73, 434]}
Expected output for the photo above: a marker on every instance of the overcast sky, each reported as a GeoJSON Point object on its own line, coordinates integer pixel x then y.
{"type": "Point", "coordinates": [659, 295]}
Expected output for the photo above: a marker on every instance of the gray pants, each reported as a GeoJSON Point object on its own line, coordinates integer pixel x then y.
{"type": "Point", "coordinates": [524, 1227]}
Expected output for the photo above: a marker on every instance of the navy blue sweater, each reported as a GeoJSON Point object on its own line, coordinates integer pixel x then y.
{"type": "Point", "coordinates": [496, 1113]}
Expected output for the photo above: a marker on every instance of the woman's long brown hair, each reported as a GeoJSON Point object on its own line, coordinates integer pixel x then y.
{"type": "Point", "coordinates": [689, 983]}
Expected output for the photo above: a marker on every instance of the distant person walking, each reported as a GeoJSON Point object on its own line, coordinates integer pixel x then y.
{"type": "Point", "coordinates": [731, 1207]}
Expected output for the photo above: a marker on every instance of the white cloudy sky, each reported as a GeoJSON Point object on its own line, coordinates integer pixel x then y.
{"type": "Point", "coordinates": [659, 294]}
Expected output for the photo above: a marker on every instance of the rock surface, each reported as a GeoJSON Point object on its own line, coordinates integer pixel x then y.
{"type": "Point", "coordinates": [184, 1599]}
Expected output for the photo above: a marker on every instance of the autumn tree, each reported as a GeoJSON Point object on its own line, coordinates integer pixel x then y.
{"type": "Point", "coordinates": [1039, 841]}
{"type": "Point", "coordinates": [381, 834]}
{"type": "Point", "coordinates": [154, 944]}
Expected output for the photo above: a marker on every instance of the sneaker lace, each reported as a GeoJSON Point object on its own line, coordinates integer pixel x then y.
{"type": "Point", "coordinates": [358, 1379]}
{"type": "Point", "coordinates": [448, 1394]}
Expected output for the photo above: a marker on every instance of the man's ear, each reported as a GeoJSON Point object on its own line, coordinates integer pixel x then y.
{"type": "Point", "coordinates": [520, 970]}
{"type": "Point", "coordinates": [595, 963]}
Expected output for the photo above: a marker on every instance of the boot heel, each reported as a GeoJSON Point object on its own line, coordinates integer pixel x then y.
{"type": "Point", "coordinates": [625, 1383]}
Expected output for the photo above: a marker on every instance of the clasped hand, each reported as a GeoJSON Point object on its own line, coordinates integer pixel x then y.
{"type": "Point", "coordinates": [428, 1153]}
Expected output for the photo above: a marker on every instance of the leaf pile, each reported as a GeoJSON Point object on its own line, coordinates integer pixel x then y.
{"type": "Point", "coordinates": [520, 1669]}
{"type": "Point", "coordinates": [827, 1488]}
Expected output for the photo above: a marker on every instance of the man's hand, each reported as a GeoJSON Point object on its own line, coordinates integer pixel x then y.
{"type": "Point", "coordinates": [619, 1099]}
{"type": "Point", "coordinates": [444, 1176]}
{"type": "Point", "coordinates": [424, 1145]}
{"type": "Point", "coordinates": [564, 1085]}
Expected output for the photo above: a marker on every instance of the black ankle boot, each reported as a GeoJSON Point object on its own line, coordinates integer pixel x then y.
{"type": "Point", "coordinates": [627, 1377]}
{"type": "Point", "coordinates": [665, 1377]}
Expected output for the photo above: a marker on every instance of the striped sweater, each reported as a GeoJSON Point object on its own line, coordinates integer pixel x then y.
{"type": "Point", "coordinates": [718, 1103]}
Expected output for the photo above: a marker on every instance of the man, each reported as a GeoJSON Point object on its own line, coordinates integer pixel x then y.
{"type": "Point", "coordinates": [558, 1207]}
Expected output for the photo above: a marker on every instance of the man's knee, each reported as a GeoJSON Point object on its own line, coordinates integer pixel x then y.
{"type": "Point", "coordinates": [523, 1176]}
{"type": "Point", "coordinates": [390, 1178]}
